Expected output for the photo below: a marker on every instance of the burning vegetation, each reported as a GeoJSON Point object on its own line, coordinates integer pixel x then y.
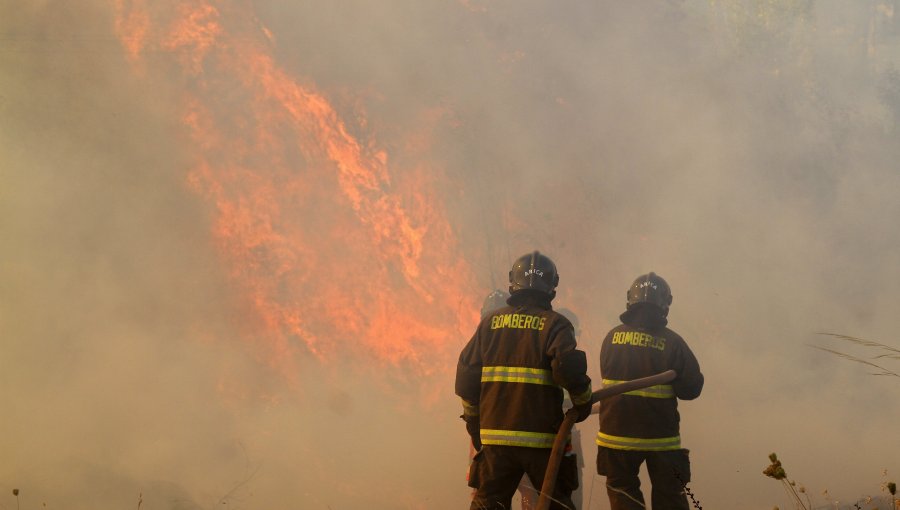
{"type": "Point", "coordinates": [329, 243]}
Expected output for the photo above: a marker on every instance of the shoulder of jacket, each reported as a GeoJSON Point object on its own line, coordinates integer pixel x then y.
{"type": "Point", "coordinates": [558, 317]}
{"type": "Point", "coordinates": [669, 331]}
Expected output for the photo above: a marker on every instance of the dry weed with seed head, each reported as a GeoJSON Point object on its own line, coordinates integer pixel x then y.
{"type": "Point", "coordinates": [891, 489]}
{"type": "Point", "coordinates": [776, 471]}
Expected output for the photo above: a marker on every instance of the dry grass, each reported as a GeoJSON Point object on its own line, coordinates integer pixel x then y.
{"type": "Point", "coordinates": [885, 352]}
{"type": "Point", "coordinates": [800, 500]}
{"type": "Point", "coordinates": [796, 493]}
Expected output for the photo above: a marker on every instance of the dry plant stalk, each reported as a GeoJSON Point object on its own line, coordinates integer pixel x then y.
{"type": "Point", "coordinates": [776, 470]}
{"type": "Point", "coordinates": [888, 353]}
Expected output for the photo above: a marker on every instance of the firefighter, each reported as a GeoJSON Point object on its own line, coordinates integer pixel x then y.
{"type": "Point", "coordinates": [527, 493]}
{"type": "Point", "coordinates": [496, 299]}
{"type": "Point", "coordinates": [511, 376]}
{"type": "Point", "coordinates": [642, 426]}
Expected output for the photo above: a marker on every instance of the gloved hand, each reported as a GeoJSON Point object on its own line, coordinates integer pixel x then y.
{"type": "Point", "coordinates": [474, 430]}
{"type": "Point", "coordinates": [583, 411]}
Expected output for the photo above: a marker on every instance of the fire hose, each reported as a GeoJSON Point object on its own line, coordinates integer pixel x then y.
{"type": "Point", "coordinates": [565, 429]}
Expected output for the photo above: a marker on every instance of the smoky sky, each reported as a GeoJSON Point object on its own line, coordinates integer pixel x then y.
{"type": "Point", "coordinates": [745, 151]}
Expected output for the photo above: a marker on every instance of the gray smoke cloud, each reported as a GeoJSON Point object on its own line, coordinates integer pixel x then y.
{"type": "Point", "coordinates": [745, 151]}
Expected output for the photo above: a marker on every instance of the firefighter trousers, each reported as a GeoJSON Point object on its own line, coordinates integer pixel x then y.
{"type": "Point", "coordinates": [669, 472]}
{"type": "Point", "coordinates": [496, 471]}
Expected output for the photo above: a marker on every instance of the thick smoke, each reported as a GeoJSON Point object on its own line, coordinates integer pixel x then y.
{"type": "Point", "coordinates": [746, 151]}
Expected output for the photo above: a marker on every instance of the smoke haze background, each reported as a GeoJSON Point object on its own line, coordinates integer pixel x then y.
{"type": "Point", "coordinates": [745, 151]}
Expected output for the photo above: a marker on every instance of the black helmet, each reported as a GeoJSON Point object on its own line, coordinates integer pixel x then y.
{"type": "Point", "coordinates": [494, 301]}
{"type": "Point", "coordinates": [650, 288]}
{"type": "Point", "coordinates": [534, 271]}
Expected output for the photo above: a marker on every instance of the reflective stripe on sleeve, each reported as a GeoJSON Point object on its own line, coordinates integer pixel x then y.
{"type": "Point", "coordinates": [636, 443]}
{"type": "Point", "coordinates": [517, 375]}
{"type": "Point", "coordinates": [469, 409]}
{"type": "Point", "coordinates": [517, 438]}
{"type": "Point", "coordinates": [583, 397]}
{"type": "Point", "coordinates": [658, 391]}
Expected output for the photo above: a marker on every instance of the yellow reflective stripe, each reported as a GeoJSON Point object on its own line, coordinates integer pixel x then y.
{"type": "Point", "coordinates": [469, 409]}
{"type": "Point", "coordinates": [583, 397]}
{"type": "Point", "coordinates": [517, 375]}
{"type": "Point", "coordinates": [658, 391]}
{"type": "Point", "coordinates": [638, 443]}
{"type": "Point", "coordinates": [517, 438]}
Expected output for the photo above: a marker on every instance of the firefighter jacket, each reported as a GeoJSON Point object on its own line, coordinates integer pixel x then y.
{"type": "Point", "coordinates": [512, 373]}
{"type": "Point", "coordinates": [645, 419]}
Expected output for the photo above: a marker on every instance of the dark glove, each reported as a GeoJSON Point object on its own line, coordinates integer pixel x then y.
{"type": "Point", "coordinates": [583, 411]}
{"type": "Point", "coordinates": [474, 430]}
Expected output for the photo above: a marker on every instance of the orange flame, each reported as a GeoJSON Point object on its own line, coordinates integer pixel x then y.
{"type": "Point", "coordinates": [332, 250]}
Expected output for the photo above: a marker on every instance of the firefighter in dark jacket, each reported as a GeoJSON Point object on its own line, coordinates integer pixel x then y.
{"type": "Point", "coordinates": [511, 377]}
{"type": "Point", "coordinates": [642, 426]}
